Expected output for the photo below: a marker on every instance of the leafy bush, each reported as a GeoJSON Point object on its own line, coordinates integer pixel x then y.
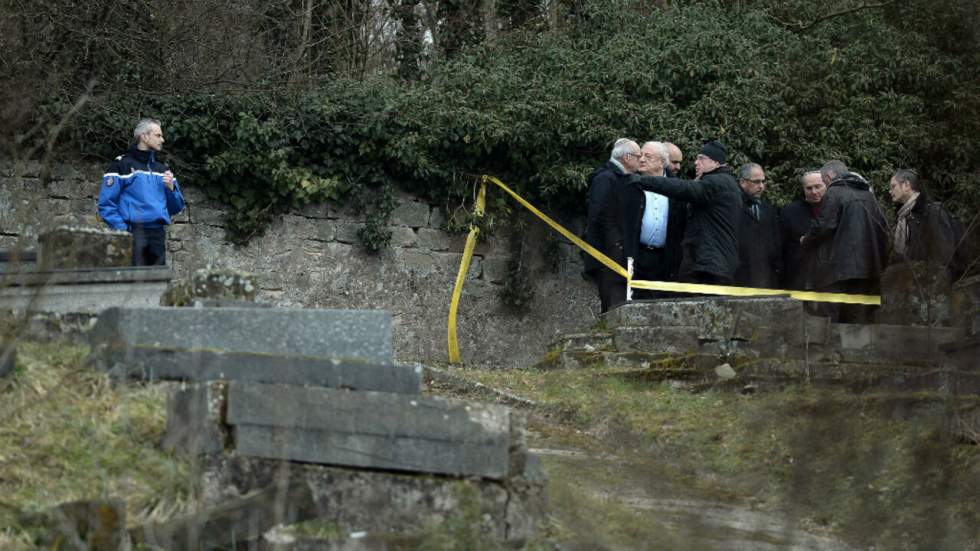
{"type": "Point", "coordinates": [540, 109]}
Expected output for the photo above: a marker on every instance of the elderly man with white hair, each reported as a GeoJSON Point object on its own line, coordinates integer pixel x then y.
{"type": "Point", "coordinates": [645, 226]}
{"type": "Point", "coordinates": [623, 161]}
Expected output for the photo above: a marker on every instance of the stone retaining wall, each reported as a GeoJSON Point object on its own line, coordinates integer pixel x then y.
{"type": "Point", "coordinates": [311, 258]}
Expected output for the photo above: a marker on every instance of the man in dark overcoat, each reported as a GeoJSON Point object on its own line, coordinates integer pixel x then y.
{"type": "Point", "coordinates": [623, 161]}
{"type": "Point", "coordinates": [850, 240]}
{"type": "Point", "coordinates": [794, 222]}
{"type": "Point", "coordinates": [759, 248]}
{"type": "Point", "coordinates": [925, 230]}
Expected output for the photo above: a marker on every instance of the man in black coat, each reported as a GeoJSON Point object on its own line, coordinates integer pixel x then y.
{"type": "Point", "coordinates": [710, 244]}
{"type": "Point", "coordinates": [850, 241]}
{"type": "Point", "coordinates": [644, 226]}
{"type": "Point", "coordinates": [925, 230]}
{"type": "Point", "coordinates": [759, 248]}
{"type": "Point", "coordinates": [794, 222]}
{"type": "Point", "coordinates": [624, 160]}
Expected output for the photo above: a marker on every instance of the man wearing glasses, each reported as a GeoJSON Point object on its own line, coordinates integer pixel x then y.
{"type": "Point", "coordinates": [759, 248]}
{"type": "Point", "coordinates": [710, 243]}
{"type": "Point", "coordinates": [644, 226]}
{"type": "Point", "coordinates": [623, 161]}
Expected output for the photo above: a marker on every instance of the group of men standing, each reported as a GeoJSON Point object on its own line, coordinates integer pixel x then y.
{"type": "Point", "coordinates": [717, 228]}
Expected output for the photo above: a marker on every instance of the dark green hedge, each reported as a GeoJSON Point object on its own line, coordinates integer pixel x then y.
{"type": "Point", "coordinates": [540, 110]}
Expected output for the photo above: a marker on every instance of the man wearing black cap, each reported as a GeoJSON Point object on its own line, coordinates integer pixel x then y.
{"type": "Point", "coordinates": [710, 244]}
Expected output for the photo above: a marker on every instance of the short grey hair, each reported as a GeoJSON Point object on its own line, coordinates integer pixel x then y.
{"type": "Point", "coordinates": [661, 149]}
{"type": "Point", "coordinates": [808, 173]}
{"type": "Point", "coordinates": [745, 171]}
{"type": "Point", "coordinates": [621, 148]}
{"type": "Point", "coordinates": [143, 127]}
{"type": "Point", "coordinates": [832, 169]}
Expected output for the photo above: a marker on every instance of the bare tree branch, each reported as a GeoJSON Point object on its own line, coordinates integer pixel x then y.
{"type": "Point", "coordinates": [800, 26]}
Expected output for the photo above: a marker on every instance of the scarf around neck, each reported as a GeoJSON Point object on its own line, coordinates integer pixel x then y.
{"type": "Point", "coordinates": [902, 227]}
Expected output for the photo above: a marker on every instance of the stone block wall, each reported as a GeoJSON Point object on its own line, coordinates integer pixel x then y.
{"type": "Point", "coordinates": [311, 258]}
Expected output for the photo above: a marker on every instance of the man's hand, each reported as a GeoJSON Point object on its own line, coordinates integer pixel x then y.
{"type": "Point", "coordinates": [168, 180]}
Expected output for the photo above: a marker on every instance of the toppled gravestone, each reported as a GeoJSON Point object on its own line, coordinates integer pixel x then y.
{"type": "Point", "coordinates": [68, 247]}
{"type": "Point", "coordinates": [315, 396]}
{"type": "Point", "coordinates": [212, 287]}
{"type": "Point", "coordinates": [141, 342]}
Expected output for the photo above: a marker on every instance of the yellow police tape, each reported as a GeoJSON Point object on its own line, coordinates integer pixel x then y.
{"type": "Point", "coordinates": [671, 286]}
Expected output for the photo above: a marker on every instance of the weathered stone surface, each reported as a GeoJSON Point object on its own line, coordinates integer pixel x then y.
{"type": "Point", "coordinates": [403, 236]}
{"type": "Point", "coordinates": [86, 291]}
{"type": "Point", "coordinates": [359, 500]}
{"type": "Point", "coordinates": [210, 283]}
{"type": "Point", "coordinates": [433, 240]}
{"type": "Point", "coordinates": [152, 363]}
{"type": "Point", "coordinates": [370, 429]}
{"type": "Point", "coordinates": [372, 451]}
{"type": "Point", "coordinates": [195, 419]}
{"type": "Point", "coordinates": [352, 335]}
{"type": "Point", "coordinates": [965, 304]}
{"type": "Point", "coordinates": [588, 342]}
{"type": "Point", "coordinates": [66, 248]}
{"type": "Point", "coordinates": [674, 340]}
{"type": "Point", "coordinates": [8, 358]}
{"type": "Point", "coordinates": [915, 293]}
{"type": "Point", "coordinates": [410, 213]}
{"type": "Point", "coordinates": [495, 269]}
{"type": "Point", "coordinates": [322, 272]}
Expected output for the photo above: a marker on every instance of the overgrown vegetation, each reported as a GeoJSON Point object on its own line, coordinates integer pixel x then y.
{"type": "Point", "coordinates": [69, 434]}
{"type": "Point", "coordinates": [786, 84]}
{"type": "Point", "coordinates": [839, 463]}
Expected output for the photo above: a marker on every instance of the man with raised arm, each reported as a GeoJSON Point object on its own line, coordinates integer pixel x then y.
{"type": "Point", "coordinates": [140, 194]}
{"type": "Point", "coordinates": [644, 226]}
{"type": "Point", "coordinates": [710, 244]}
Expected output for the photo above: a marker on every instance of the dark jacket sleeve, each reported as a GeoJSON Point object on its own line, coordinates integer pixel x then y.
{"type": "Point", "coordinates": [690, 191]}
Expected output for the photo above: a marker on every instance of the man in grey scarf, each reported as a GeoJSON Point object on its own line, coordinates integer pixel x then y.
{"type": "Point", "coordinates": [925, 231]}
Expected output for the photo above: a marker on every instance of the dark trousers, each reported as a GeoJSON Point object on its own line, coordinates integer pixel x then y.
{"type": "Point", "coordinates": [850, 313]}
{"type": "Point", "coordinates": [149, 245]}
{"type": "Point", "coordinates": [651, 264]}
{"type": "Point", "coordinates": [612, 288]}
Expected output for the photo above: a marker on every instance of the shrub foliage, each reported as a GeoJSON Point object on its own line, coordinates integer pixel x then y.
{"type": "Point", "coordinates": [781, 83]}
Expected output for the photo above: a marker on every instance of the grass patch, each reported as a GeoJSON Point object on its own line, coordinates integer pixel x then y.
{"type": "Point", "coordinates": [67, 433]}
{"type": "Point", "coordinates": [838, 462]}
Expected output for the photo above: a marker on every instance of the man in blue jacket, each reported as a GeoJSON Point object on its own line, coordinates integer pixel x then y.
{"type": "Point", "coordinates": [139, 194]}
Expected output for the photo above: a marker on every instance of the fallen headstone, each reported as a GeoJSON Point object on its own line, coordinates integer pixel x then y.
{"type": "Point", "coordinates": [344, 335]}
{"type": "Point", "coordinates": [370, 429]}
{"type": "Point", "coordinates": [199, 365]}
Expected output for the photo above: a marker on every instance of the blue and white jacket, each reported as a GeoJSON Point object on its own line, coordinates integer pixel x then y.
{"type": "Point", "coordinates": [133, 192]}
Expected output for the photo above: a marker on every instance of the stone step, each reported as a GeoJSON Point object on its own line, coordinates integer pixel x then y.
{"type": "Point", "coordinates": [583, 341]}
{"type": "Point", "coordinates": [348, 335]}
{"type": "Point", "coordinates": [197, 365]}
{"type": "Point", "coordinates": [372, 430]}
{"type": "Point", "coordinates": [702, 368]}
